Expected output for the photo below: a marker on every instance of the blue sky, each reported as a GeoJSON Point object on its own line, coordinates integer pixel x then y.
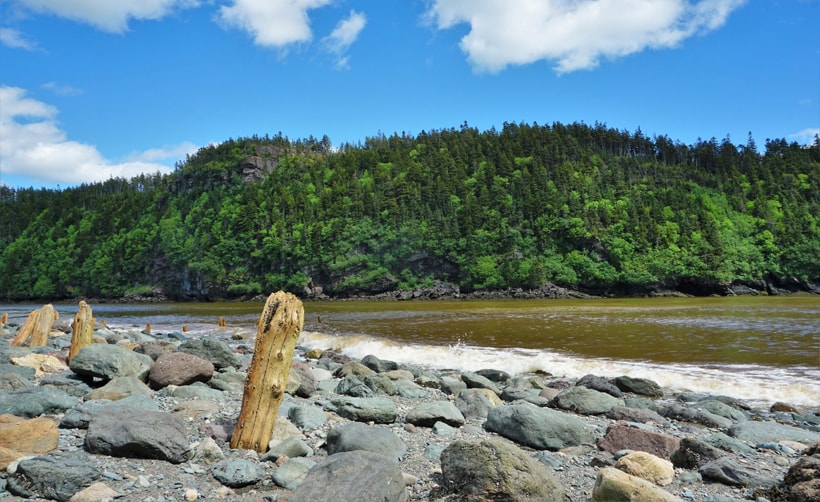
{"type": "Point", "coordinates": [91, 89]}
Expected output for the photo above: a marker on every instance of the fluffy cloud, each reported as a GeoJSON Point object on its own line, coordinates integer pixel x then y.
{"type": "Point", "coordinates": [806, 136]}
{"type": "Point", "coordinates": [16, 40]}
{"type": "Point", "coordinates": [107, 15]}
{"type": "Point", "coordinates": [575, 34]}
{"type": "Point", "coordinates": [272, 23]}
{"type": "Point", "coordinates": [34, 145]}
{"type": "Point", "coordinates": [343, 36]}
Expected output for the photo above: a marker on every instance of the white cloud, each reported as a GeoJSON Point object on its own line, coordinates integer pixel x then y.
{"type": "Point", "coordinates": [34, 146]}
{"type": "Point", "coordinates": [343, 36]}
{"type": "Point", "coordinates": [575, 34]}
{"type": "Point", "coordinates": [272, 23]}
{"type": "Point", "coordinates": [107, 15]}
{"type": "Point", "coordinates": [806, 136]}
{"type": "Point", "coordinates": [16, 40]}
{"type": "Point", "coordinates": [62, 90]}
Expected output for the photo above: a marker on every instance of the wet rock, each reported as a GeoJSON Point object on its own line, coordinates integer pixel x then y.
{"type": "Point", "coordinates": [694, 454]}
{"type": "Point", "coordinates": [728, 471]}
{"type": "Point", "coordinates": [379, 365]}
{"type": "Point", "coordinates": [212, 349]}
{"type": "Point", "coordinates": [427, 414]}
{"type": "Point", "coordinates": [356, 436]}
{"type": "Point", "coordinates": [539, 428]}
{"type": "Point", "coordinates": [476, 381]}
{"type": "Point", "coordinates": [20, 437]}
{"type": "Point", "coordinates": [722, 409]}
{"type": "Point", "coordinates": [109, 361]}
{"type": "Point", "coordinates": [585, 401]}
{"type": "Point", "coordinates": [351, 475]}
{"type": "Point", "coordinates": [494, 470]}
{"type": "Point", "coordinates": [353, 368]}
{"type": "Point", "coordinates": [380, 410]}
{"type": "Point", "coordinates": [647, 466]}
{"type": "Point", "coordinates": [613, 484]}
{"type": "Point", "coordinates": [497, 376]}
{"type": "Point", "coordinates": [57, 476]}
{"type": "Point", "coordinates": [237, 473]}
{"type": "Point", "coordinates": [179, 368]}
{"type": "Point", "coordinates": [124, 431]}
{"type": "Point", "coordinates": [764, 432]}
{"type": "Point", "coordinates": [600, 384]}
{"type": "Point", "coordinates": [30, 402]}
{"type": "Point", "coordinates": [623, 437]}
{"type": "Point", "coordinates": [639, 386]}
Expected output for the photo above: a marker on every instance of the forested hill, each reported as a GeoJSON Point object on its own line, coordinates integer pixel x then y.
{"type": "Point", "coordinates": [588, 207]}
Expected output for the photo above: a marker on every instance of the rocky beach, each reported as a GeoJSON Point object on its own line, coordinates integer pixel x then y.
{"type": "Point", "coordinates": [147, 416]}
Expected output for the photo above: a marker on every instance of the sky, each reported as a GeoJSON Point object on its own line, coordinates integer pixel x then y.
{"type": "Point", "coordinates": [94, 89]}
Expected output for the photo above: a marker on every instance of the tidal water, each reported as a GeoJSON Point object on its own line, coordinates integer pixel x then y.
{"type": "Point", "coordinates": [762, 349]}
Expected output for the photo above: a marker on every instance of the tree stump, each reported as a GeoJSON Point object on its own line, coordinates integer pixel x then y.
{"type": "Point", "coordinates": [37, 327]}
{"type": "Point", "coordinates": [82, 330]}
{"type": "Point", "coordinates": [277, 331]}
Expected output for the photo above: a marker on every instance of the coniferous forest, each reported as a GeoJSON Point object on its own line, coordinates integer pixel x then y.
{"type": "Point", "coordinates": [587, 207]}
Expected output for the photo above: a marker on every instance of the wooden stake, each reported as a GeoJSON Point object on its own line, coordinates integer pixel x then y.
{"type": "Point", "coordinates": [4, 319]}
{"type": "Point", "coordinates": [277, 331]}
{"type": "Point", "coordinates": [37, 326]}
{"type": "Point", "coordinates": [82, 331]}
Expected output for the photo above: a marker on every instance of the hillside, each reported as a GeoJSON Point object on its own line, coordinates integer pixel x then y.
{"type": "Point", "coordinates": [593, 208]}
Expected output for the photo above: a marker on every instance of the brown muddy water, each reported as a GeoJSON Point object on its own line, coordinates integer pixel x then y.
{"type": "Point", "coordinates": [757, 348]}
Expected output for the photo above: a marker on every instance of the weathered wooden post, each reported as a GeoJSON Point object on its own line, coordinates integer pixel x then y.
{"type": "Point", "coordinates": [4, 319]}
{"type": "Point", "coordinates": [82, 331]}
{"type": "Point", "coordinates": [277, 331]}
{"type": "Point", "coordinates": [37, 326]}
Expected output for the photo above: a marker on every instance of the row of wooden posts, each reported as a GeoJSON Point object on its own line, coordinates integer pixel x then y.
{"type": "Point", "coordinates": [278, 329]}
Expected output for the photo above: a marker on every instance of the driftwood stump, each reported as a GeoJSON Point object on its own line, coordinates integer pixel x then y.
{"type": "Point", "coordinates": [37, 327]}
{"type": "Point", "coordinates": [277, 331]}
{"type": "Point", "coordinates": [82, 330]}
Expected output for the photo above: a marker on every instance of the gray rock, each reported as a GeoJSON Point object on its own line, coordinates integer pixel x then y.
{"type": "Point", "coordinates": [237, 473]}
{"type": "Point", "coordinates": [356, 436]}
{"type": "Point", "coordinates": [379, 365]}
{"type": "Point", "coordinates": [639, 386]}
{"type": "Point", "coordinates": [476, 381]}
{"type": "Point", "coordinates": [352, 385]}
{"type": "Point", "coordinates": [81, 415]}
{"type": "Point", "coordinates": [290, 447]}
{"type": "Point", "coordinates": [120, 388]}
{"type": "Point", "coordinates": [728, 471]}
{"type": "Point", "coordinates": [380, 410]}
{"type": "Point", "coordinates": [352, 368]}
{"type": "Point", "coordinates": [56, 476]}
{"type": "Point", "coordinates": [442, 429]}
{"type": "Point", "coordinates": [432, 451]}
{"type": "Point", "coordinates": [539, 428]}
{"type": "Point", "coordinates": [352, 475]}
{"type": "Point", "coordinates": [728, 443]}
{"type": "Point", "coordinates": [179, 368]}
{"type": "Point", "coordinates": [380, 384]}
{"type": "Point", "coordinates": [293, 472]}
{"type": "Point", "coordinates": [124, 431]}
{"type": "Point", "coordinates": [722, 409]}
{"type": "Point", "coordinates": [196, 390]}
{"type": "Point", "coordinates": [473, 403]}
{"type": "Point", "coordinates": [585, 401]}
{"type": "Point", "coordinates": [155, 348]}
{"type": "Point", "coordinates": [212, 349]}
{"type": "Point", "coordinates": [763, 432]}
{"type": "Point", "coordinates": [229, 380]}
{"type": "Point", "coordinates": [696, 415]}
{"type": "Point", "coordinates": [23, 372]}
{"type": "Point", "coordinates": [639, 415]}
{"type": "Point", "coordinates": [12, 381]}
{"type": "Point", "coordinates": [410, 390]}
{"type": "Point", "coordinates": [429, 379]}
{"type": "Point", "coordinates": [600, 384]}
{"type": "Point", "coordinates": [30, 402]}
{"type": "Point", "coordinates": [494, 470]}
{"type": "Point", "coordinates": [427, 414]}
{"type": "Point", "coordinates": [694, 454]}
{"type": "Point", "coordinates": [307, 380]}
{"type": "Point", "coordinates": [495, 375]}
{"type": "Point", "coordinates": [306, 417]}
{"type": "Point", "coordinates": [521, 394]}
{"type": "Point", "coordinates": [451, 385]}
{"type": "Point", "coordinates": [109, 361]}
{"type": "Point", "coordinates": [69, 382]}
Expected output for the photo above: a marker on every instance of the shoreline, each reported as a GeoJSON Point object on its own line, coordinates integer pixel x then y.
{"type": "Point", "coordinates": [329, 381]}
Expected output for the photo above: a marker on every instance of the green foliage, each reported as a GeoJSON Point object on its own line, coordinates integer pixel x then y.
{"type": "Point", "coordinates": [529, 205]}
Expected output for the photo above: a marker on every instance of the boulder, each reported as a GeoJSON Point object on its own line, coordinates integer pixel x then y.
{"type": "Point", "coordinates": [380, 410]}
{"type": "Point", "coordinates": [21, 438]}
{"type": "Point", "coordinates": [155, 348]}
{"type": "Point", "coordinates": [353, 368]}
{"type": "Point", "coordinates": [179, 368]}
{"type": "Point", "coordinates": [639, 386]}
{"type": "Point", "coordinates": [638, 415]}
{"type": "Point", "coordinates": [237, 473]}
{"type": "Point", "coordinates": [307, 417]}
{"type": "Point", "coordinates": [379, 365]}
{"type": "Point", "coordinates": [765, 432]}
{"type": "Point", "coordinates": [623, 437]}
{"type": "Point", "coordinates": [585, 401]}
{"type": "Point", "coordinates": [495, 470]}
{"type": "Point", "coordinates": [124, 431]}
{"type": "Point", "coordinates": [56, 476]}
{"type": "Point", "coordinates": [613, 484]}
{"type": "Point", "coordinates": [696, 415]}
{"type": "Point", "coordinates": [110, 361]}
{"type": "Point", "coordinates": [730, 472]}
{"type": "Point", "coordinates": [30, 402]}
{"type": "Point", "coordinates": [600, 384]}
{"type": "Point", "coordinates": [539, 428]}
{"type": "Point", "coordinates": [356, 436]}
{"type": "Point", "coordinates": [647, 466]}
{"type": "Point", "coordinates": [212, 349]}
{"type": "Point", "coordinates": [351, 475]}
{"type": "Point", "coordinates": [428, 413]}
{"type": "Point", "coordinates": [694, 454]}
{"type": "Point", "coordinates": [120, 388]}
{"type": "Point", "coordinates": [802, 482]}
{"type": "Point", "coordinates": [473, 403]}
{"type": "Point", "coordinates": [291, 447]}
{"type": "Point", "coordinates": [307, 380]}
{"type": "Point", "coordinates": [476, 381]}
{"type": "Point", "coordinates": [292, 472]}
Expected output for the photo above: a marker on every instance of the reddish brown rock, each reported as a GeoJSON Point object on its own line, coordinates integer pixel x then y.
{"type": "Point", "coordinates": [179, 368]}
{"type": "Point", "coordinates": [623, 437]}
{"type": "Point", "coordinates": [20, 437]}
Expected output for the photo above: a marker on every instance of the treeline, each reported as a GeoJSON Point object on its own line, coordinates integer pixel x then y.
{"type": "Point", "coordinates": [583, 206]}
